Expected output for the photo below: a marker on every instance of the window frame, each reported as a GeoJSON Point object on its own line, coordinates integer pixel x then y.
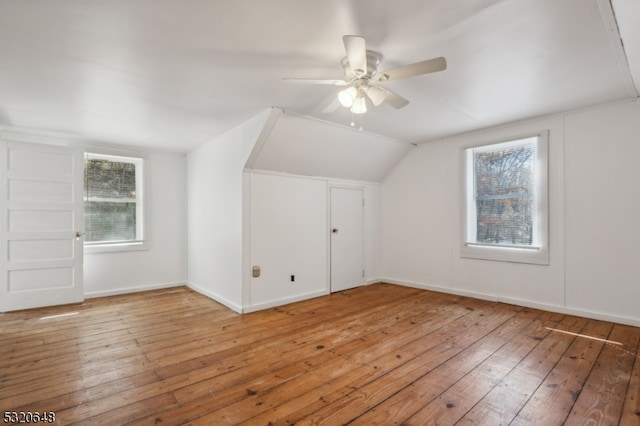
{"type": "Point", "coordinates": [140, 162]}
{"type": "Point", "coordinates": [538, 252]}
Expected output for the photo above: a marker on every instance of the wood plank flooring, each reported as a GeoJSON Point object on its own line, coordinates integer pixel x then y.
{"type": "Point", "coordinates": [380, 354]}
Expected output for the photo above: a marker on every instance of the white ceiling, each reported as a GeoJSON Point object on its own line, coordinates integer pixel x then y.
{"type": "Point", "coordinates": [171, 74]}
{"type": "Point", "coordinates": [299, 145]}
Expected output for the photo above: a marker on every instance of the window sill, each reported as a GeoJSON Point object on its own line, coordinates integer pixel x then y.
{"type": "Point", "coordinates": [530, 255]}
{"type": "Point", "coordinates": [115, 248]}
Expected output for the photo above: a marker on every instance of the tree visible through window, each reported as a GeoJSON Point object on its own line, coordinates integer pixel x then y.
{"type": "Point", "coordinates": [504, 193]}
{"type": "Point", "coordinates": [506, 201]}
{"type": "Point", "coordinates": [112, 206]}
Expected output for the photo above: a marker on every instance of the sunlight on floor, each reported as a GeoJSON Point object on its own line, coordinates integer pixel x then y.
{"type": "Point", "coordinates": [585, 336]}
{"type": "Point", "coordinates": [59, 316]}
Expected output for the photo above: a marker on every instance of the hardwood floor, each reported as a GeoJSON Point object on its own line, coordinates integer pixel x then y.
{"type": "Point", "coordinates": [380, 354]}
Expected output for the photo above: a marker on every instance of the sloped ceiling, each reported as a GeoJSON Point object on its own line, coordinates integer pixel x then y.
{"type": "Point", "coordinates": [172, 74]}
{"type": "Point", "coordinates": [299, 145]}
{"type": "Point", "coordinates": [627, 15]}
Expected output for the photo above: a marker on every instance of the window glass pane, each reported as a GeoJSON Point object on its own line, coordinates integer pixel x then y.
{"type": "Point", "coordinates": [504, 193]}
{"type": "Point", "coordinates": [110, 200]}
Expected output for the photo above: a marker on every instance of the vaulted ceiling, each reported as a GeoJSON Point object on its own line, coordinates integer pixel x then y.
{"type": "Point", "coordinates": [172, 74]}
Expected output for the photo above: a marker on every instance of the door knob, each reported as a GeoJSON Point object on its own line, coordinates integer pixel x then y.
{"type": "Point", "coordinates": [334, 230]}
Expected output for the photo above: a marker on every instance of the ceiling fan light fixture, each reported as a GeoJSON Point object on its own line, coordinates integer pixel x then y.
{"type": "Point", "coordinates": [363, 81]}
{"type": "Point", "coordinates": [359, 105]}
{"type": "Point", "coordinates": [347, 96]}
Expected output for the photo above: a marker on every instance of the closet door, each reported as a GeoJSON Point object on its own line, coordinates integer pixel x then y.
{"type": "Point", "coordinates": [347, 238]}
{"type": "Point", "coordinates": [41, 226]}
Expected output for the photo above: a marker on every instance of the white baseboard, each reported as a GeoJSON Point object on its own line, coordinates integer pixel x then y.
{"type": "Point", "coordinates": [280, 302]}
{"type": "Point", "coordinates": [441, 289]}
{"type": "Point", "coordinates": [233, 306]}
{"type": "Point", "coordinates": [602, 316]}
{"type": "Point", "coordinates": [127, 290]}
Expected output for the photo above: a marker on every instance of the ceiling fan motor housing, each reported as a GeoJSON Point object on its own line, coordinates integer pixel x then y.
{"type": "Point", "coordinates": [362, 79]}
{"type": "Point", "coordinates": [373, 60]}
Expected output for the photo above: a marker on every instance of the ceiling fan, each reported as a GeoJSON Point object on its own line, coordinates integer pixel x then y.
{"type": "Point", "coordinates": [364, 81]}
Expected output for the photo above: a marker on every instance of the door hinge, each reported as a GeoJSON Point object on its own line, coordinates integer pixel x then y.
{"type": "Point", "coordinates": [363, 273]}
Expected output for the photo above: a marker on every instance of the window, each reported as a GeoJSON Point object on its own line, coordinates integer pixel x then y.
{"type": "Point", "coordinates": [113, 201]}
{"type": "Point", "coordinates": [506, 201]}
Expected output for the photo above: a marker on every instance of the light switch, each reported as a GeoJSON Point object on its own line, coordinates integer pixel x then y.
{"type": "Point", "coordinates": [256, 271]}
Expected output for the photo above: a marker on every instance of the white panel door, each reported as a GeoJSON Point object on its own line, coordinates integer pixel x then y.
{"type": "Point", "coordinates": [41, 225]}
{"type": "Point", "coordinates": [347, 238]}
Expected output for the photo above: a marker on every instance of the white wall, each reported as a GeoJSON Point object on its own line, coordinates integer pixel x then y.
{"type": "Point", "coordinates": [372, 242]}
{"type": "Point", "coordinates": [593, 268]}
{"type": "Point", "coordinates": [602, 153]}
{"type": "Point", "coordinates": [164, 263]}
{"type": "Point", "coordinates": [215, 199]}
{"type": "Point", "coordinates": [288, 237]}
{"type": "Point", "coordinates": [288, 221]}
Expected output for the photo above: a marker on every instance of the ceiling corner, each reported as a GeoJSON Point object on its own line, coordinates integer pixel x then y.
{"type": "Point", "coordinates": [625, 14]}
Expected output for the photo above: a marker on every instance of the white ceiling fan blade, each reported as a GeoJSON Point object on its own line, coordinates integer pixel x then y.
{"type": "Point", "coordinates": [332, 107]}
{"type": "Point", "coordinates": [317, 81]}
{"type": "Point", "coordinates": [380, 95]}
{"type": "Point", "coordinates": [356, 49]}
{"type": "Point", "coordinates": [377, 94]}
{"type": "Point", "coordinates": [395, 100]}
{"type": "Point", "coordinates": [419, 68]}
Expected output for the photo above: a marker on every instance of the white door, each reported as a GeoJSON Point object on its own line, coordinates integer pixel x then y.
{"type": "Point", "coordinates": [41, 226]}
{"type": "Point", "coordinates": [347, 238]}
